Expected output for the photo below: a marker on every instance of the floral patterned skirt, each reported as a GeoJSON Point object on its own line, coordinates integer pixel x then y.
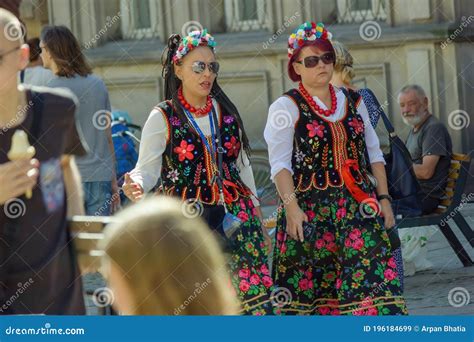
{"type": "Point", "coordinates": [248, 261]}
{"type": "Point", "coordinates": [347, 268]}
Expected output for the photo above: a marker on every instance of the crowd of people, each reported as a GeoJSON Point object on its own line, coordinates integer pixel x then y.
{"type": "Point", "coordinates": [328, 256]}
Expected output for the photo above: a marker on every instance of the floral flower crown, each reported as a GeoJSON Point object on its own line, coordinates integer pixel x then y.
{"type": "Point", "coordinates": [308, 31]}
{"type": "Point", "coordinates": [193, 40]}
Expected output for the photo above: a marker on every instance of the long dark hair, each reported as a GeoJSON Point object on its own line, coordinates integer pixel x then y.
{"type": "Point", "coordinates": [65, 51]}
{"type": "Point", "coordinates": [172, 84]}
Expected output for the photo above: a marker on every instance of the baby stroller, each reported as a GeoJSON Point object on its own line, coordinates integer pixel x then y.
{"type": "Point", "coordinates": [125, 145]}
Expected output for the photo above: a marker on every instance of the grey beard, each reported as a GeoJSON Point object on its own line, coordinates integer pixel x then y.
{"type": "Point", "coordinates": [413, 121]}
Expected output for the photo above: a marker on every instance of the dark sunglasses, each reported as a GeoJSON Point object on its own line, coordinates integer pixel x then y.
{"type": "Point", "coordinates": [312, 61]}
{"type": "Point", "coordinates": [8, 52]}
{"type": "Point", "coordinates": [199, 67]}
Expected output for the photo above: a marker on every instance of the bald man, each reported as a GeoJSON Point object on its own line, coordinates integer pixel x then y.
{"type": "Point", "coordinates": [38, 271]}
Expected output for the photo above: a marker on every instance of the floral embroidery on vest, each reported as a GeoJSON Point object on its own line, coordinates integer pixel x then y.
{"type": "Point", "coordinates": [321, 147]}
{"type": "Point", "coordinates": [188, 169]}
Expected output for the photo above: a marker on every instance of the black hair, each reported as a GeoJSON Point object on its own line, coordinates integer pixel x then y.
{"type": "Point", "coordinates": [172, 84]}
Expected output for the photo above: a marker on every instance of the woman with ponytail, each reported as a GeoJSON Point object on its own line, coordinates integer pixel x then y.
{"type": "Point", "coordinates": [195, 142]}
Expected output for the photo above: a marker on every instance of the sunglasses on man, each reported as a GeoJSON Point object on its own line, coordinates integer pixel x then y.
{"type": "Point", "coordinates": [199, 67]}
{"type": "Point", "coordinates": [312, 61]}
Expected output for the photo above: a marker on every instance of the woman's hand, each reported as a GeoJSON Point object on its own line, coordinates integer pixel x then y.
{"type": "Point", "coordinates": [294, 221]}
{"type": "Point", "coordinates": [387, 213]}
{"type": "Point", "coordinates": [131, 189]}
{"type": "Point", "coordinates": [16, 177]}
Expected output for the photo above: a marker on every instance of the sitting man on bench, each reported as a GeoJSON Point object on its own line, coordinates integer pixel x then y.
{"type": "Point", "coordinates": [429, 144]}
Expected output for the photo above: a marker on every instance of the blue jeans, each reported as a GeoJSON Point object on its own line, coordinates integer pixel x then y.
{"type": "Point", "coordinates": [97, 198]}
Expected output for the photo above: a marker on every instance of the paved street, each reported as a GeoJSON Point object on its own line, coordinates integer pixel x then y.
{"type": "Point", "coordinates": [427, 292]}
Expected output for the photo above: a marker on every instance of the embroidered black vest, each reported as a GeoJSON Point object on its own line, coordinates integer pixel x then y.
{"type": "Point", "coordinates": [188, 170]}
{"type": "Point", "coordinates": [321, 147]}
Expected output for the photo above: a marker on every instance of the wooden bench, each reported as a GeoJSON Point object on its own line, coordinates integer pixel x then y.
{"type": "Point", "coordinates": [87, 231]}
{"type": "Point", "coordinates": [449, 208]}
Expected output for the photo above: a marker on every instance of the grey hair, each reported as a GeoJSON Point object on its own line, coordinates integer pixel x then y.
{"type": "Point", "coordinates": [418, 89]}
{"type": "Point", "coordinates": [11, 26]}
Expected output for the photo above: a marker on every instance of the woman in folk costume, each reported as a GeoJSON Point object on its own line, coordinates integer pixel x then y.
{"type": "Point", "coordinates": [333, 253]}
{"type": "Point", "coordinates": [196, 143]}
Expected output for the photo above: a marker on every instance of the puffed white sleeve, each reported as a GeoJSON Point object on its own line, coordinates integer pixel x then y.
{"type": "Point", "coordinates": [279, 133]}
{"type": "Point", "coordinates": [152, 146]}
{"type": "Point", "coordinates": [371, 139]}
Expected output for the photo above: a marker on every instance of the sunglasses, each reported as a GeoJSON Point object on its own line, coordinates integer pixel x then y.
{"type": "Point", "coordinates": [199, 67]}
{"type": "Point", "coordinates": [8, 52]}
{"type": "Point", "coordinates": [312, 61]}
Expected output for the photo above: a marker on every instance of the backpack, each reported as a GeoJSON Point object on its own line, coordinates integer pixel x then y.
{"type": "Point", "coordinates": [126, 155]}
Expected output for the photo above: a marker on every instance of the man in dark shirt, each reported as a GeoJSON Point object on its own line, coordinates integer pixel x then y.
{"type": "Point", "coordinates": [38, 269]}
{"type": "Point", "coordinates": [429, 144]}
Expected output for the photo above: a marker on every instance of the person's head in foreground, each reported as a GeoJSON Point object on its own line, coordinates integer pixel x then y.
{"type": "Point", "coordinates": [413, 104]}
{"type": "Point", "coordinates": [14, 52]}
{"type": "Point", "coordinates": [159, 261]}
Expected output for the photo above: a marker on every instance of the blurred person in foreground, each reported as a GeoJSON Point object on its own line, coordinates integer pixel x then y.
{"type": "Point", "coordinates": [38, 269]}
{"type": "Point", "coordinates": [158, 261]}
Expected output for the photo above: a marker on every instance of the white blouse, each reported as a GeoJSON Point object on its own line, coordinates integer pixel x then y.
{"type": "Point", "coordinates": [280, 129]}
{"type": "Point", "coordinates": [153, 145]}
